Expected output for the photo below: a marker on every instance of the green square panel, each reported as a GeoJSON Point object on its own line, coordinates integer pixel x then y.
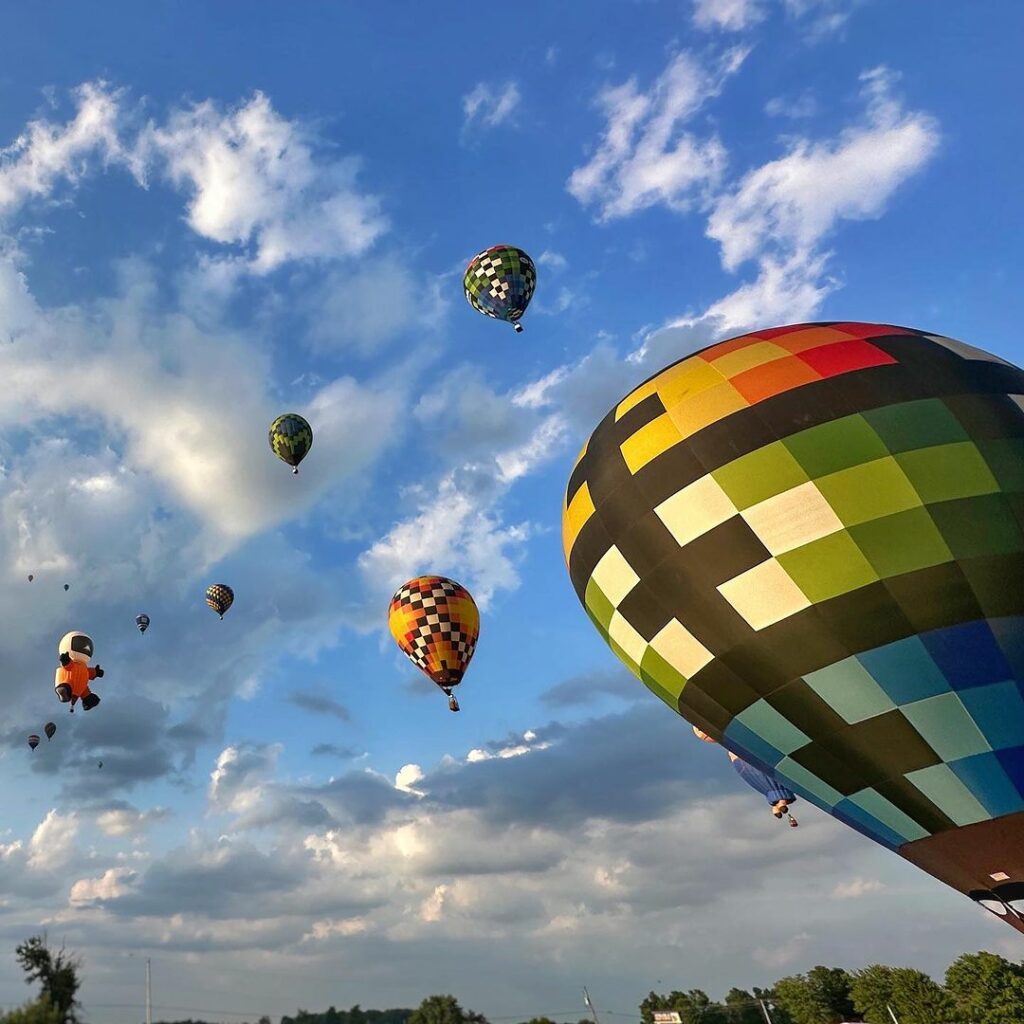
{"type": "Point", "coordinates": [901, 543]}
{"type": "Point", "coordinates": [888, 813]}
{"type": "Point", "coordinates": [763, 720]}
{"type": "Point", "coordinates": [761, 474]}
{"type": "Point", "coordinates": [947, 726]}
{"type": "Point", "coordinates": [660, 677]}
{"type": "Point", "coordinates": [870, 491]}
{"type": "Point", "coordinates": [836, 445]}
{"type": "Point", "coordinates": [1005, 457]}
{"type": "Point", "coordinates": [625, 658]}
{"type": "Point", "coordinates": [948, 471]}
{"type": "Point", "coordinates": [827, 567]}
{"type": "Point", "coordinates": [802, 777]}
{"type": "Point", "coordinates": [850, 691]}
{"type": "Point", "coordinates": [598, 605]}
{"type": "Point", "coordinates": [911, 425]}
{"type": "Point", "coordinates": [984, 525]}
{"type": "Point", "coordinates": [942, 786]}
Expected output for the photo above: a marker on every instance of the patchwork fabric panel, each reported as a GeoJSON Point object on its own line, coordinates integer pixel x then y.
{"type": "Point", "coordinates": [436, 623]}
{"type": "Point", "coordinates": [809, 542]}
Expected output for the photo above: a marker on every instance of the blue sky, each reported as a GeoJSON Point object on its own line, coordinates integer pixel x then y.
{"type": "Point", "coordinates": [213, 214]}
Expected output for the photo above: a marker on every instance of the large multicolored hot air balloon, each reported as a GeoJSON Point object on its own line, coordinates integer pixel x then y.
{"type": "Point", "coordinates": [220, 597]}
{"type": "Point", "coordinates": [499, 282]}
{"type": "Point", "coordinates": [291, 437]}
{"type": "Point", "coordinates": [809, 542]}
{"type": "Point", "coordinates": [436, 623]}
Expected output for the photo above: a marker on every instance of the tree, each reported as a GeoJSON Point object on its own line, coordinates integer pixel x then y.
{"type": "Point", "coordinates": [915, 997]}
{"type": "Point", "coordinates": [57, 975]}
{"type": "Point", "coordinates": [987, 989]}
{"type": "Point", "coordinates": [822, 996]}
{"type": "Point", "coordinates": [693, 1007]}
{"type": "Point", "coordinates": [444, 1010]}
{"type": "Point", "coordinates": [40, 1011]}
{"type": "Point", "coordinates": [741, 1007]}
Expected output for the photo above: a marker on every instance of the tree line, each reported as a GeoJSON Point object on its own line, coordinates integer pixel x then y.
{"type": "Point", "coordinates": [978, 988]}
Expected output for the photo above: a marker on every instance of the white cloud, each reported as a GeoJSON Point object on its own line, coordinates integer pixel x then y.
{"type": "Point", "coordinates": [126, 821]}
{"type": "Point", "coordinates": [793, 202]}
{"type": "Point", "coordinates": [797, 107]}
{"type": "Point", "coordinates": [256, 183]}
{"type": "Point", "coordinates": [489, 105]}
{"type": "Point", "coordinates": [730, 15]}
{"type": "Point", "coordinates": [780, 954]}
{"type": "Point", "coordinates": [113, 883]}
{"type": "Point", "coordinates": [856, 887]}
{"type": "Point", "coordinates": [407, 777]}
{"type": "Point", "coordinates": [235, 782]}
{"type": "Point", "coordinates": [53, 843]}
{"type": "Point", "coordinates": [555, 260]}
{"type": "Point", "coordinates": [46, 154]}
{"type": "Point", "coordinates": [822, 17]}
{"type": "Point", "coordinates": [644, 157]}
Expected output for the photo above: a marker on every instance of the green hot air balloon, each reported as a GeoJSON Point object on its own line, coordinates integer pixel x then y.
{"type": "Point", "coordinates": [291, 437]}
{"type": "Point", "coordinates": [809, 542]}
{"type": "Point", "coordinates": [499, 282]}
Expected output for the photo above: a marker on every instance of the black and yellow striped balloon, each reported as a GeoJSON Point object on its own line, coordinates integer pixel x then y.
{"type": "Point", "coordinates": [291, 437]}
{"type": "Point", "coordinates": [219, 596]}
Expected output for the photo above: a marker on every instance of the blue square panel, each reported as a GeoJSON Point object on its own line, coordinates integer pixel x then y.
{"type": "Point", "coordinates": [1009, 634]}
{"type": "Point", "coordinates": [1012, 762]}
{"type": "Point", "coordinates": [867, 824]}
{"type": "Point", "coordinates": [905, 671]}
{"type": "Point", "coordinates": [968, 654]}
{"type": "Point", "coordinates": [746, 739]}
{"type": "Point", "coordinates": [998, 711]}
{"type": "Point", "coordinates": [983, 775]}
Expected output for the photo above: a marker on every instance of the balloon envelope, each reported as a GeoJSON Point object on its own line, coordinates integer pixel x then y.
{"type": "Point", "coordinates": [33, 741]}
{"type": "Point", "coordinates": [499, 282]}
{"type": "Point", "coordinates": [808, 542]}
{"type": "Point", "coordinates": [291, 437]}
{"type": "Point", "coordinates": [142, 621]}
{"type": "Point", "coordinates": [220, 597]}
{"type": "Point", "coordinates": [50, 728]}
{"type": "Point", "coordinates": [435, 621]}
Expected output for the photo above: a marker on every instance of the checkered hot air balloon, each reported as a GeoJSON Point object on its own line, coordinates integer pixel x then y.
{"type": "Point", "coordinates": [219, 596]}
{"type": "Point", "coordinates": [499, 282]}
{"type": "Point", "coordinates": [291, 437]}
{"type": "Point", "coordinates": [436, 623]}
{"type": "Point", "coordinates": [809, 542]}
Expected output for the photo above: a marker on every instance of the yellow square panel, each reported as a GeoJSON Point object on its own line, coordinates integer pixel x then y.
{"type": "Point", "coordinates": [649, 442]}
{"type": "Point", "coordinates": [793, 518]}
{"type": "Point", "coordinates": [681, 649]}
{"type": "Point", "coordinates": [764, 595]}
{"type": "Point", "coordinates": [614, 576]}
{"type": "Point", "coordinates": [811, 337]}
{"type": "Point", "coordinates": [747, 358]}
{"type": "Point", "coordinates": [689, 377]}
{"type": "Point", "coordinates": [580, 509]}
{"type": "Point", "coordinates": [707, 407]}
{"type": "Point", "coordinates": [697, 508]}
{"type": "Point", "coordinates": [620, 630]}
{"type": "Point", "coordinates": [634, 398]}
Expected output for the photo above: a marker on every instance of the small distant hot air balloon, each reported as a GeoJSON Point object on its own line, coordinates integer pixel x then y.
{"type": "Point", "coordinates": [30, 577]}
{"type": "Point", "coordinates": [67, 586]}
{"type": "Point", "coordinates": [50, 728]}
{"type": "Point", "coordinates": [436, 623]}
{"type": "Point", "coordinates": [220, 597]}
{"type": "Point", "coordinates": [100, 764]}
{"type": "Point", "coordinates": [291, 437]}
{"type": "Point", "coordinates": [499, 282]}
{"type": "Point", "coordinates": [33, 741]}
{"type": "Point", "coordinates": [142, 621]}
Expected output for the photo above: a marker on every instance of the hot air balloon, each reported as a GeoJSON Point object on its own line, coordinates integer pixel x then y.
{"type": "Point", "coordinates": [291, 437]}
{"type": "Point", "coordinates": [219, 596]}
{"type": "Point", "coordinates": [808, 542]}
{"type": "Point", "coordinates": [436, 623]}
{"type": "Point", "coordinates": [142, 621]}
{"type": "Point", "coordinates": [67, 586]}
{"type": "Point", "coordinates": [50, 728]}
{"type": "Point", "coordinates": [30, 577]}
{"type": "Point", "coordinates": [73, 675]}
{"type": "Point", "coordinates": [499, 282]}
{"type": "Point", "coordinates": [33, 741]}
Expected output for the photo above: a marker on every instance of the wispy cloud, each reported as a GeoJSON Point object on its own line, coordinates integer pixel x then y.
{"type": "Point", "coordinates": [728, 15]}
{"type": "Point", "coordinates": [488, 105]}
{"type": "Point", "coordinates": [319, 704]}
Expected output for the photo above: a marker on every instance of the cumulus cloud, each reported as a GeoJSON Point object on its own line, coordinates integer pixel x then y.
{"type": "Point", "coordinates": [52, 843]}
{"type": "Point", "coordinates": [255, 182]}
{"type": "Point", "coordinates": [644, 156]}
{"type": "Point", "coordinates": [856, 887]}
{"type": "Point", "coordinates": [235, 780]}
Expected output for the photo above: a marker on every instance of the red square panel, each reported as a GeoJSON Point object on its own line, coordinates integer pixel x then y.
{"type": "Point", "coordinates": [777, 332]}
{"type": "Point", "coordinates": [831, 360]}
{"type": "Point", "coordinates": [773, 378]}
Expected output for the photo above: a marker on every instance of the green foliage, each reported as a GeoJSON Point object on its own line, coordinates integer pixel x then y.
{"type": "Point", "coordinates": [40, 1011]}
{"type": "Point", "coordinates": [741, 1007]}
{"type": "Point", "coordinates": [915, 998]}
{"type": "Point", "coordinates": [56, 974]}
{"type": "Point", "coordinates": [357, 1015]}
{"type": "Point", "coordinates": [444, 1010]}
{"type": "Point", "coordinates": [693, 1007]}
{"type": "Point", "coordinates": [987, 989]}
{"type": "Point", "coordinates": [821, 996]}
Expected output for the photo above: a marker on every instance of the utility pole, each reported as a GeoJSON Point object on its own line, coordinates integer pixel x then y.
{"type": "Point", "coordinates": [764, 1010]}
{"type": "Point", "coordinates": [586, 999]}
{"type": "Point", "coordinates": [891, 1014]}
{"type": "Point", "coordinates": [149, 995]}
